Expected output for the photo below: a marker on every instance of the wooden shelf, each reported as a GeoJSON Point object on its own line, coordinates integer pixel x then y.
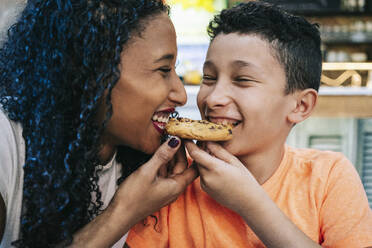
{"type": "Point", "coordinates": [332, 13]}
{"type": "Point", "coordinates": [355, 106]}
{"type": "Point", "coordinates": [346, 42]}
{"type": "Point", "coordinates": [328, 66]}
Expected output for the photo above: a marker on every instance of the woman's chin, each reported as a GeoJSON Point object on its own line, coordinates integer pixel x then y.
{"type": "Point", "coordinates": [151, 146]}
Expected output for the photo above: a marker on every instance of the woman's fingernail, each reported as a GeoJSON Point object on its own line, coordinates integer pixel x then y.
{"type": "Point", "coordinates": [173, 142]}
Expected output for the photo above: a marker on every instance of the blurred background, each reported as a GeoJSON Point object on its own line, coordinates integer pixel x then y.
{"type": "Point", "coordinates": [9, 10]}
{"type": "Point", "coordinates": [343, 117]}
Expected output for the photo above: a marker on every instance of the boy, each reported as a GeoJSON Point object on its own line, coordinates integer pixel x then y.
{"type": "Point", "coordinates": [262, 73]}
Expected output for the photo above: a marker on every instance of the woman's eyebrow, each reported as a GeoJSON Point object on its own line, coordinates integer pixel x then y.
{"type": "Point", "coordinates": [165, 57]}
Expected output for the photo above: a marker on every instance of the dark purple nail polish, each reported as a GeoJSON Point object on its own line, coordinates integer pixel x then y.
{"type": "Point", "coordinates": [173, 142]}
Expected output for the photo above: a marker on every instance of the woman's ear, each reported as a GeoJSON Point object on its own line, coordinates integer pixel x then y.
{"type": "Point", "coordinates": [305, 103]}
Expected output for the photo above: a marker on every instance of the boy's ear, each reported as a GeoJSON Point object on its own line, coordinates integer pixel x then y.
{"type": "Point", "coordinates": [305, 101]}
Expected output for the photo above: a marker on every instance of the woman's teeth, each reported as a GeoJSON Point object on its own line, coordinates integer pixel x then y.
{"type": "Point", "coordinates": [160, 118]}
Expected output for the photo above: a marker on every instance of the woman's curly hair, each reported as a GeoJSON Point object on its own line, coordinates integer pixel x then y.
{"type": "Point", "coordinates": [59, 60]}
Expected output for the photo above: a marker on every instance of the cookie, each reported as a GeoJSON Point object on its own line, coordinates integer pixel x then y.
{"type": "Point", "coordinates": [198, 129]}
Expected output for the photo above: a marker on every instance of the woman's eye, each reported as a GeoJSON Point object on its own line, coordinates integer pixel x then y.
{"type": "Point", "coordinates": [165, 69]}
{"type": "Point", "coordinates": [242, 80]}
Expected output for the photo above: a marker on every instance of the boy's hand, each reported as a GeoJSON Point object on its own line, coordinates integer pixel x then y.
{"type": "Point", "coordinates": [227, 180]}
{"type": "Point", "coordinates": [222, 175]}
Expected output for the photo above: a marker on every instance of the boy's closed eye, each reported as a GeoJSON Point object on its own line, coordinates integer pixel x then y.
{"type": "Point", "coordinates": [244, 81]}
{"type": "Point", "coordinates": [208, 80]}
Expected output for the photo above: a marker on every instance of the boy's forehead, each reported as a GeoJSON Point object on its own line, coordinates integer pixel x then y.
{"type": "Point", "coordinates": [239, 44]}
{"type": "Point", "coordinates": [241, 50]}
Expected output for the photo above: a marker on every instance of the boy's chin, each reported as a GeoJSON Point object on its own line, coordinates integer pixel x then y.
{"type": "Point", "coordinates": [229, 146]}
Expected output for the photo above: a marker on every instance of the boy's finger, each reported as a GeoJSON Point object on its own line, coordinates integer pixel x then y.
{"type": "Point", "coordinates": [202, 170]}
{"type": "Point", "coordinates": [219, 152]}
{"type": "Point", "coordinates": [202, 158]}
{"type": "Point", "coordinates": [163, 155]}
{"type": "Point", "coordinates": [186, 177]}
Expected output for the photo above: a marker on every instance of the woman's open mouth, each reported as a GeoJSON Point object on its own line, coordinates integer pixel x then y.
{"type": "Point", "coordinates": [160, 119]}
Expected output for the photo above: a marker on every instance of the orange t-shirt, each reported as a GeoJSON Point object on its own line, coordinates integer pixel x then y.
{"type": "Point", "coordinates": [319, 191]}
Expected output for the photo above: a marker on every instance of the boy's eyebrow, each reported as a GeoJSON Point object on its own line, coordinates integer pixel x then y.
{"type": "Point", "coordinates": [241, 63]}
{"type": "Point", "coordinates": [165, 57]}
{"type": "Point", "coordinates": [238, 64]}
{"type": "Point", "coordinates": [235, 63]}
{"type": "Point", "coordinates": [208, 63]}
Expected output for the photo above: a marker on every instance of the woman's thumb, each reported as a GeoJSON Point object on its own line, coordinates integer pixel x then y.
{"type": "Point", "coordinates": [164, 154]}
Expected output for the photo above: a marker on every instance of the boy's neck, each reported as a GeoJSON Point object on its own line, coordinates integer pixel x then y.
{"type": "Point", "coordinates": [263, 165]}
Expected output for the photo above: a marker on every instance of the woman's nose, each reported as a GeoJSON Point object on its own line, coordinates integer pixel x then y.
{"type": "Point", "coordinates": [178, 93]}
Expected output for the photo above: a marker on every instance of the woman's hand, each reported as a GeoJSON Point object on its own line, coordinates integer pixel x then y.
{"type": "Point", "coordinates": [155, 184]}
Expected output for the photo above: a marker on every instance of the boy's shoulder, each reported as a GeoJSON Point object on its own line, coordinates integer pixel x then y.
{"type": "Point", "coordinates": [316, 172]}
{"type": "Point", "coordinates": [310, 154]}
{"type": "Point", "coordinates": [318, 162]}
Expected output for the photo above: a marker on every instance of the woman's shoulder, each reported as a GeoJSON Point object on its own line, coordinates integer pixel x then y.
{"type": "Point", "coordinates": [12, 145]}
{"type": "Point", "coordinates": [12, 155]}
{"type": "Point", "coordinates": [9, 129]}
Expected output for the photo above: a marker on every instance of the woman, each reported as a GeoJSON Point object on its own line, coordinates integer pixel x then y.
{"type": "Point", "coordinates": [86, 89]}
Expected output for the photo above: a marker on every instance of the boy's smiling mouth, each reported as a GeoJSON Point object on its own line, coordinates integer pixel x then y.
{"type": "Point", "coordinates": [224, 120]}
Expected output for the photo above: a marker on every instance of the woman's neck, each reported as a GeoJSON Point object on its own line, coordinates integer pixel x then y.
{"type": "Point", "coordinates": [107, 150]}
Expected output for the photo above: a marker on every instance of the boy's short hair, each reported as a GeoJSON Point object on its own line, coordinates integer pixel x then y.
{"type": "Point", "coordinates": [295, 41]}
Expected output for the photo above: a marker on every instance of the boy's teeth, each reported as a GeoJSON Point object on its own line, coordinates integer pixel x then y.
{"type": "Point", "coordinates": [236, 123]}
{"type": "Point", "coordinates": [226, 122]}
{"type": "Point", "coordinates": [223, 122]}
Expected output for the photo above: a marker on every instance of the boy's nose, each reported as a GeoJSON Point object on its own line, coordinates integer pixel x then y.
{"type": "Point", "coordinates": [218, 97]}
